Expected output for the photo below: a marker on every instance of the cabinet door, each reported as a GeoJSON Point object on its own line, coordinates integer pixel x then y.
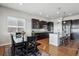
{"type": "Point", "coordinates": [50, 26]}
{"type": "Point", "coordinates": [43, 24]}
{"type": "Point", "coordinates": [35, 23]}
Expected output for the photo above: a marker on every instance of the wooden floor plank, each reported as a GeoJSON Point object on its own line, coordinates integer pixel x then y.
{"type": "Point", "coordinates": [2, 50]}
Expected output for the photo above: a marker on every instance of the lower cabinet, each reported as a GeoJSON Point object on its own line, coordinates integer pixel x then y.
{"type": "Point", "coordinates": [42, 35]}
{"type": "Point", "coordinates": [54, 40]}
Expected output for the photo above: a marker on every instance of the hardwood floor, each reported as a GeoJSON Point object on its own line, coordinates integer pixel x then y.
{"type": "Point", "coordinates": [44, 45]}
{"type": "Point", "coordinates": [2, 49]}
{"type": "Point", "coordinates": [72, 49]}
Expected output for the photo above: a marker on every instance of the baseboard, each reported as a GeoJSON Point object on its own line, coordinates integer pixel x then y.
{"type": "Point", "coordinates": [5, 44]}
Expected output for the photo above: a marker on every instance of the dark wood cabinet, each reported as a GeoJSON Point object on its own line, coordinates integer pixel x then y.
{"type": "Point", "coordinates": [50, 26]}
{"type": "Point", "coordinates": [43, 24]}
{"type": "Point", "coordinates": [35, 24]}
{"type": "Point", "coordinates": [42, 35]}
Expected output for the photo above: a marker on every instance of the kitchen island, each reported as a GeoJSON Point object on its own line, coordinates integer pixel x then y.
{"type": "Point", "coordinates": [42, 35]}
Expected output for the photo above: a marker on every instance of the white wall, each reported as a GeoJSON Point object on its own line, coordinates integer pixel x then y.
{"type": "Point", "coordinates": [4, 13]}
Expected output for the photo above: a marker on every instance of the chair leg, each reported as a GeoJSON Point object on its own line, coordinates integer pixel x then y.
{"type": "Point", "coordinates": [12, 51]}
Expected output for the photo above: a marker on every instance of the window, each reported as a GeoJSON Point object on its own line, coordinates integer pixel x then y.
{"type": "Point", "coordinates": [16, 24]}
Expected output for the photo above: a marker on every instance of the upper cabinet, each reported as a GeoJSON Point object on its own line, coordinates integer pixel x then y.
{"type": "Point", "coordinates": [35, 23]}
{"type": "Point", "coordinates": [43, 24]}
{"type": "Point", "coordinates": [50, 26]}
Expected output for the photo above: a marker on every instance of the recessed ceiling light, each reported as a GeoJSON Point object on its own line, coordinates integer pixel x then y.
{"type": "Point", "coordinates": [40, 13]}
{"type": "Point", "coordinates": [20, 3]}
{"type": "Point", "coordinates": [58, 12]}
{"type": "Point", "coordinates": [59, 20]}
{"type": "Point", "coordinates": [47, 16]}
{"type": "Point", "coordinates": [70, 13]}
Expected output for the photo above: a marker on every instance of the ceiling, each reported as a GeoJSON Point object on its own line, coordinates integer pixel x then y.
{"type": "Point", "coordinates": [49, 10]}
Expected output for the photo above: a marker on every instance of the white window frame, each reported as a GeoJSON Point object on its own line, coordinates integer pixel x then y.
{"type": "Point", "coordinates": [16, 26]}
